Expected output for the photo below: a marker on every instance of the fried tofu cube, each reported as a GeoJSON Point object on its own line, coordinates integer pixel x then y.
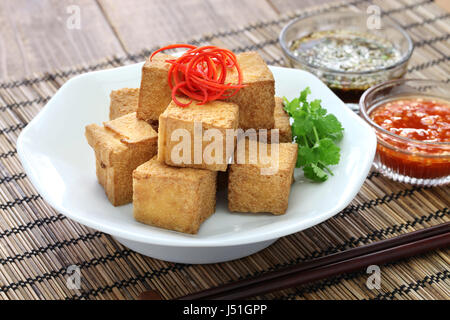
{"type": "Point", "coordinates": [173, 198]}
{"type": "Point", "coordinates": [120, 146]}
{"type": "Point", "coordinates": [256, 101]}
{"type": "Point", "coordinates": [282, 124]}
{"type": "Point", "coordinates": [282, 121]}
{"type": "Point", "coordinates": [155, 93]}
{"type": "Point", "coordinates": [123, 101]}
{"type": "Point", "coordinates": [183, 132]}
{"type": "Point", "coordinates": [261, 182]}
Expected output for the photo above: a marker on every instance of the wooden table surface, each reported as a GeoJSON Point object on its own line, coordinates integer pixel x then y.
{"type": "Point", "coordinates": [41, 35]}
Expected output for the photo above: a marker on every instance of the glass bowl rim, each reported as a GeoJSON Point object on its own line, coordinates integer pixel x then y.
{"type": "Point", "coordinates": [377, 127]}
{"type": "Point", "coordinates": [284, 46]}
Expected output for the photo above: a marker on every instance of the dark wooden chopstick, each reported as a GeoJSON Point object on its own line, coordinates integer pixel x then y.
{"type": "Point", "coordinates": [380, 252]}
{"type": "Point", "coordinates": [346, 266]}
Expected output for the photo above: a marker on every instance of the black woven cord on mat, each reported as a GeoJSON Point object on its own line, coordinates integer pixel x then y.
{"type": "Point", "coordinates": [383, 200]}
{"type": "Point", "coordinates": [8, 154]}
{"type": "Point", "coordinates": [415, 286]}
{"type": "Point", "coordinates": [13, 128]}
{"type": "Point", "coordinates": [21, 104]}
{"type": "Point", "coordinates": [14, 177]}
{"type": "Point", "coordinates": [32, 224]}
{"type": "Point", "coordinates": [426, 21]}
{"type": "Point", "coordinates": [53, 246]}
{"type": "Point", "coordinates": [26, 199]}
{"type": "Point", "coordinates": [63, 271]}
{"type": "Point", "coordinates": [403, 289]}
{"type": "Point", "coordinates": [429, 64]}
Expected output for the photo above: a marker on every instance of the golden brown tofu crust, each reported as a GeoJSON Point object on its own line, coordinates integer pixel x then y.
{"type": "Point", "coordinates": [118, 151]}
{"type": "Point", "coordinates": [155, 93]}
{"type": "Point", "coordinates": [250, 191]}
{"type": "Point", "coordinates": [282, 121]}
{"type": "Point", "coordinates": [123, 101]}
{"type": "Point", "coordinates": [256, 101]}
{"type": "Point", "coordinates": [253, 68]}
{"type": "Point", "coordinates": [178, 199]}
{"type": "Point", "coordinates": [131, 130]}
{"type": "Point", "coordinates": [218, 115]}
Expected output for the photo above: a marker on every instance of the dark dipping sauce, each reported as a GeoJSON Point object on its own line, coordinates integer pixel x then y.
{"type": "Point", "coordinates": [425, 122]}
{"type": "Point", "coordinates": [348, 95]}
{"type": "Point", "coordinates": [356, 58]}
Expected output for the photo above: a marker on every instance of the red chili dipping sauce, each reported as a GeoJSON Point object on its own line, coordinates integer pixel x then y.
{"type": "Point", "coordinates": [419, 120]}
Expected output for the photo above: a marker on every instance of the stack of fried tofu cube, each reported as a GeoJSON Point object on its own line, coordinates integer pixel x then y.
{"type": "Point", "coordinates": [134, 149]}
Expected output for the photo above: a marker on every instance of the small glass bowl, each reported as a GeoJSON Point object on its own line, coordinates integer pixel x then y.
{"type": "Point", "coordinates": [349, 86]}
{"type": "Point", "coordinates": [400, 158]}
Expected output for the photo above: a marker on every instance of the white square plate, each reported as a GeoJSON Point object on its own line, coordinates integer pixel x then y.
{"type": "Point", "coordinates": [61, 165]}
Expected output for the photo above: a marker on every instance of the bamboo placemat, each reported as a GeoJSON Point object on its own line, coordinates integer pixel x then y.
{"type": "Point", "coordinates": [38, 244]}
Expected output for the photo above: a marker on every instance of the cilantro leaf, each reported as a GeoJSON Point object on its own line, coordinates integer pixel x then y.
{"type": "Point", "coordinates": [304, 94]}
{"type": "Point", "coordinates": [315, 173]}
{"type": "Point", "coordinates": [302, 125]}
{"type": "Point", "coordinates": [305, 156]}
{"type": "Point", "coordinates": [292, 106]}
{"type": "Point", "coordinates": [316, 108]}
{"type": "Point", "coordinates": [325, 152]}
{"type": "Point", "coordinates": [329, 126]}
{"type": "Point", "coordinates": [328, 152]}
{"type": "Point", "coordinates": [316, 132]}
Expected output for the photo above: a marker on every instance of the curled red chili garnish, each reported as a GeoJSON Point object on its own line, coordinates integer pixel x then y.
{"type": "Point", "coordinates": [200, 73]}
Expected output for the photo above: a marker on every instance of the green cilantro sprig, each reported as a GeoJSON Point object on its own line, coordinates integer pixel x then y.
{"type": "Point", "coordinates": [316, 134]}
